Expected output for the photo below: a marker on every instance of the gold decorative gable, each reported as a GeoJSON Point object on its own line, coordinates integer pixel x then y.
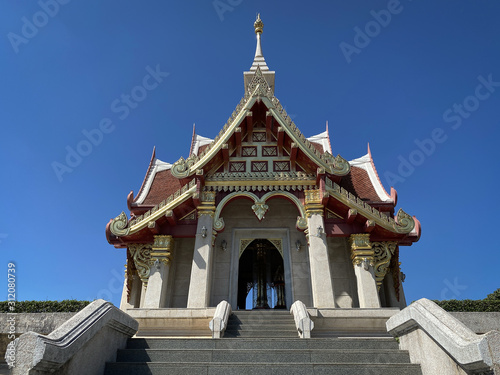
{"type": "Point", "coordinates": [259, 89]}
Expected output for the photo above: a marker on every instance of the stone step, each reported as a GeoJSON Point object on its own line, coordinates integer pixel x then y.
{"type": "Point", "coordinates": [271, 343]}
{"type": "Point", "coordinates": [258, 326]}
{"type": "Point", "coordinates": [263, 333]}
{"type": "Point", "coordinates": [232, 368]}
{"type": "Point", "coordinates": [336, 356]}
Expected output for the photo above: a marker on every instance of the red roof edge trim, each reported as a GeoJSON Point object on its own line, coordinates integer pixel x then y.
{"type": "Point", "coordinates": [394, 196]}
{"type": "Point", "coordinates": [153, 156]}
{"type": "Point", "coordinates": [418, 228]}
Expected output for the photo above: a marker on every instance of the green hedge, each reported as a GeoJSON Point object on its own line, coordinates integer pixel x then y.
{"type": "Point", "coordinates": [44, 306]}
{"type": "Point", "coordinates": [468, 305]}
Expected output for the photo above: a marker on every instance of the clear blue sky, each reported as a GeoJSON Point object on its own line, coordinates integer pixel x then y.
{"type": "Point", "coordinates": [416, 76]}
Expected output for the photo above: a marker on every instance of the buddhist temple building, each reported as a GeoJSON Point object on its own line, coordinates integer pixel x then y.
{"type": "Point", "coordinates": [261, 216]}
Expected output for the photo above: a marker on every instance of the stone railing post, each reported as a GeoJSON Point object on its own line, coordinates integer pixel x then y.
{"type": "Point", "coordinates": [218, 324]}
{"type": "Point", "coordinates": [302, 319]}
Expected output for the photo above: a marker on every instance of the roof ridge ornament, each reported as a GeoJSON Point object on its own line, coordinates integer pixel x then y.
{"type": "Point", "coordinates": [258, 25]}
{"type": "Point", "coordinates": [259, 62]}
{"type": "Point", "coordinates": [259, 86]}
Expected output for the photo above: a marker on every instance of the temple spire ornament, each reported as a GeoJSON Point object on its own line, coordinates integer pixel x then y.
{"type": "Point", "coordinates": [259, 61]}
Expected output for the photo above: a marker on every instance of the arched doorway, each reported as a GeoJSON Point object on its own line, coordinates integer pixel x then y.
{"type": "Point", "coordinates": [261, 279]}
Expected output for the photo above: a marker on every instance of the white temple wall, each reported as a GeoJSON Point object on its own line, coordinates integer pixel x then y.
{"type": "Point", "coordinates": [180, 272]}
{"type": "Point", "coordinates": [344, 279]}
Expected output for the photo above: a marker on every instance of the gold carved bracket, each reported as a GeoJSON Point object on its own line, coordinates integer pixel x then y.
{"type": "Point", "coordinates": [383, 252]}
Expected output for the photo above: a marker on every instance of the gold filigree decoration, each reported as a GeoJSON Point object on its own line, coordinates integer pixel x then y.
{"type": "Point", "coordinates": [141, 255]}
{"type": "Point", "coordinates": [403, 224]}
{"type": "Point", "coordinates": [258, 86]}
{"type": "Point", "coordinates": [244, 244]}
{"type": "Point", "coordinates": [383, 252]}
{"type": "Point", "coordinates": [260, 209]}
{"type": "Point", "coordinates": [278, 244]}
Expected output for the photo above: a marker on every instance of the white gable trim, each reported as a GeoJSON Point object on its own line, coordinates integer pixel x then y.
{"type": "Point", "coordinates": [158, 166]}
{"type": "Point", "coordinates": [365, 163]}
{"type": "Point", "coordinates": [321, 139]}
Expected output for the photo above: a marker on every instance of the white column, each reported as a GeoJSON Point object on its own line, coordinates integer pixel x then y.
{"type": "Point", "coordinates": [201, 269]}
{"type": "Point", "coordinates": [321, 277]}
{"type": "Point", "coordinates": [362, 256]}
{"type": "Point", "coordinates": [135, 293]}
{"type": "Point", "coordinates": [124, 302]}
{"type": "Point", "coordinates": [157, 285]}
{"type": "Point", "coordinates": [159, 270]}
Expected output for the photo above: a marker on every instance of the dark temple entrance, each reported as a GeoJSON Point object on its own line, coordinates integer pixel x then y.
{"type": "Point", "coordinates": [261, 280]}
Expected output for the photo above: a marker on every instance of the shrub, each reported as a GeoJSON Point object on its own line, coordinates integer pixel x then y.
{"type": "Point", "coordinates": [44, 306]}
{"type": "Point", "coordinates": [468, 305]}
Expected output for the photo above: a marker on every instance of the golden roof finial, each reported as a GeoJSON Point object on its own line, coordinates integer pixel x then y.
{"type": "Point", "coordinates": [258, 25]}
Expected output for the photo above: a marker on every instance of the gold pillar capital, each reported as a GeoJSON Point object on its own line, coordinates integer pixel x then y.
{"type": "Point", "coordinates": [207, 205]}
{"type": "Point", "coordinates": [313, 203]}
{"type": "Point", "coordinates": [361, 250]}
{"type": "Point", "coordinates": [162, 248]}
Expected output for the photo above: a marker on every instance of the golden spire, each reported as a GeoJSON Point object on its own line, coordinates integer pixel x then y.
{"type": "Point", "coordinates": [258, 25]}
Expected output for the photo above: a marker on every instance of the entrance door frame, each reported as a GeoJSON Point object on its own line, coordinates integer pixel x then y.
{"type": "Point", "coordinates": [254, 233]}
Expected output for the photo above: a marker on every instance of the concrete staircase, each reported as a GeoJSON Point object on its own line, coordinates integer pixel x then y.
{"type": "Point", "coordinates": [263, 343]}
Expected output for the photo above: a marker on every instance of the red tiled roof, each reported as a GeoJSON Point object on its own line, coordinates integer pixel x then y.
{"type": "Point", "coordinates": [358, 182]}
{"type": "Point", "coordinates": [164, 184]}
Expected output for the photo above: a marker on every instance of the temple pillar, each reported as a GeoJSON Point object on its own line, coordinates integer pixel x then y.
{"type": "Point", "coordinates": [161, 257]}
{"type": "Point", "coordinates": [131, 295]}
{"type": "Point", "coordinates": [201, 270]}
{"type": "Point", "coordinates": [321, 278]}
{"type": "Point", "coordinates": [363, 260]}
{"type": "Point", "coordinates": [135, 292]}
